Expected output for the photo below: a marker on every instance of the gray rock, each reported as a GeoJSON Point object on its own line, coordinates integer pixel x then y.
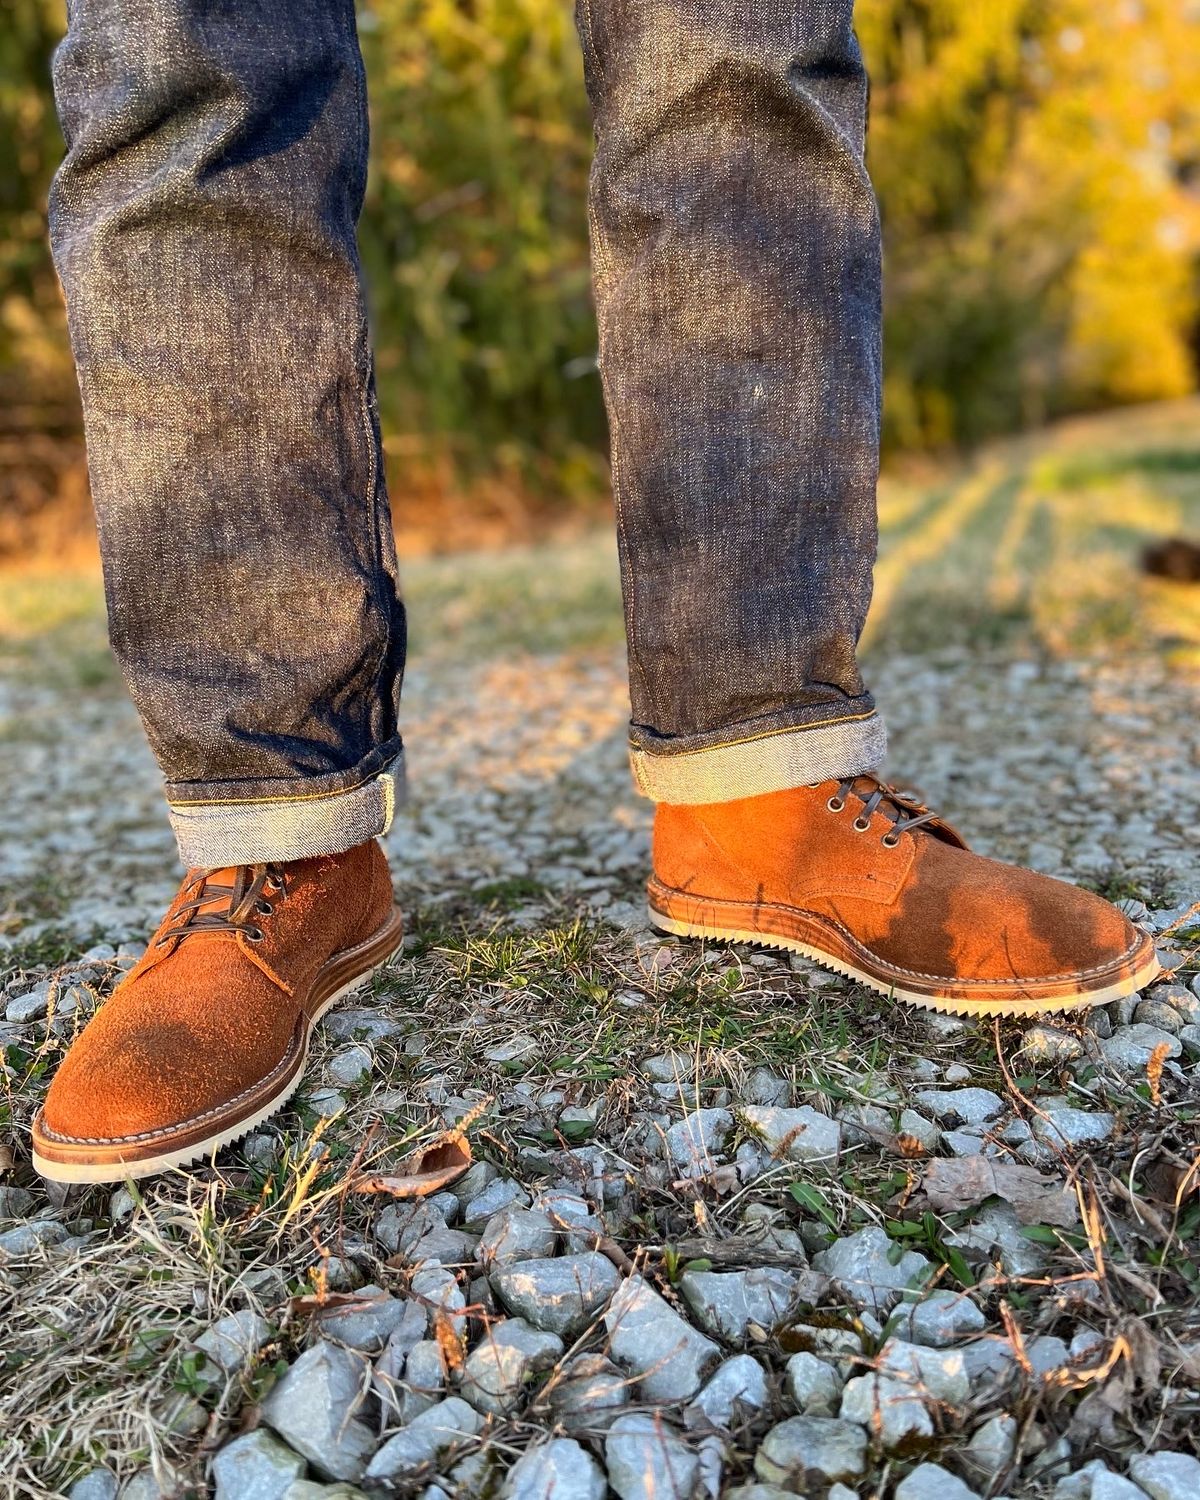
{"type": "Point", "coordinates": [344, 1024]}
{"type": "Point", "coordinates": [435, 1288]}
{"type": "Point", "coordinates": [27, 1237]}
{"type": "Point", "coordinates": [1183, 1002]}
{"type": "Point", "coordinates": [145, 1485]}
{"type": "Point", "coordinates": [312, 1409]}
{"type": "Point", "coordinates": [15, 1202]}
{"type": "Point", "coordinates": [234, 1339]}
{"type": "Point", "coordinates": [1065, 1126]}
{"type": "Point", "coordinates": [647, 1461]}
{"type": "Point", "coordinates": [997, 1230]}
{"type": "Point", "coordinates": [502, 1193]}
{"type": "Point", "coordinates": [1166, 1476]}
{"type": "Point", "coordinates": [963, 1142]}
{"type": "Point", "coordinates": [1155, 1012]}
{"type": "Point", "coordinates": [992, 1446]}
{"type": "Point", "coordinates": [757, 1491]}
{"type": "Point", "coordinates": [727, 1303]}
{"type": "Point", "coordinates": [932, 1482]}
{"type": "Point", "coordinates": [560, 1296]}
{"type": "Point", "coordinates": [1130, 1048]}
{"type": "Point", "coordinates": [814, 1385]}
{"type": "Point", "coordinates": [588, 1394]}
{"type": "Point", "coordinates": [737, 1392]}
{"type": "Point", "coordinates": [1096, 1481]}
{"type": "Point", "coordinates": [668, 1067]}
{"type": "Point", "coordinates": [806, 1452]}
{"type": "Point", "coordinates": [515, 1050]}
{"type": "Point", "coordinates": [1189, 1037]}
{"type": "Point", "coordinates": [499, 1369]}
{"type": "Point", "coordinates": [888, 1408]}
{"type": "Point", "coordinates": [1046, 1354]}
{"type": "Point", "coordinates": [366, 1323]}
{"type": "Point", "coordinates": [311, 1489]}
{"type": "Point", "coordinates": [765, 1087]}
{"type": "Point", "coordinates": [98, 1484]}
{"type": "Point", "coordinates": [942, 1318]}
{"type": "Point", "coordinates": [937, 1373]}
{"type": "Point", "coordinates": [571, 1216]}
{"type": "Point", "coordinates": [31, 1006]}
{"type": "Point", "coordinates": [424, 1379]}
{"type": "Point", "coordinates": [425, 1439]}
{"type": "Point", "coordinates": [473, 1181]}
{"type": "Point", "coordinates": [921, 1129]}
{"type": "Point", "coordinates": [256, 1466]}
{"type": "Point", "coordinates": [557, 1470]}
{"type": "Point", "coordinates": [694, 1142]}
{"type": "Point", "coordinates": [649, 1339]}
{"type": "Point", "coordinates": [351, 1064]}
{"type": "Point", "coordinates": [971, 1106]}
{"type": "Point", "coordinates": [1048, 1044]}
{"type": "Point", "coordinates": [796, 1134]}
{"type": "Point", "coordinates": [865, 1124]}
{"type": "Point", "coordinates": [861, 1265]}
{"type": "Point", "coordinates": [516, 1234]}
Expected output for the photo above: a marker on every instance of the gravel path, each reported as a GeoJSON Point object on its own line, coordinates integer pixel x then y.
{"type": "Point", "coordinates": [735, 1228]}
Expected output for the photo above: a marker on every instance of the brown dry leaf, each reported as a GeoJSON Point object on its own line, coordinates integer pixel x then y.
{"type": "Point", "coordinates": [428, 1171]}
{"type": "Point", "coordinates": [908, 1146]}
{"type": "Point", "coordinates": [962, 1182]}
{"type": "Point", "coordinates": [6, 1159]}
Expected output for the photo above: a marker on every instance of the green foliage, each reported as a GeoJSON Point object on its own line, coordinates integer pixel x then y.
{"type": "Point", "coordinates": [1033, 160]}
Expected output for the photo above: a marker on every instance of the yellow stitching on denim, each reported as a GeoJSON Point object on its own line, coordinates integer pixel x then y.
{"type": "Point", "coordinates": [750, 738]}
{"type": "Point", "coordinates": [298, 797]}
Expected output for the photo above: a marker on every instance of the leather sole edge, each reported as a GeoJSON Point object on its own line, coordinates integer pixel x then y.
{"type": "Point", "coordinates": [987, 1005]}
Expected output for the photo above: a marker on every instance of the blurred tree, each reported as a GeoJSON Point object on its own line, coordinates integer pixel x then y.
{"type": "Point", "coordinates": [1036, 163]}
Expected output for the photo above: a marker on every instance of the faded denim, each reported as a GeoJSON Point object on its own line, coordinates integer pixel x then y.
{"type": "Point", "coordinates": [203, 225]}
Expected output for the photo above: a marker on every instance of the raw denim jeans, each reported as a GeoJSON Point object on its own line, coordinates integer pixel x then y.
{"type": "Point", "coordinates": [203, 225]}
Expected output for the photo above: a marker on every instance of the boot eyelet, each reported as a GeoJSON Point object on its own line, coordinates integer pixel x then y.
{"type": "Point", "coordinates": [835, 805]}
{"type": "Point", "coordinates": [890, 840]}
{"type": "Point", "coordinates": [264, 908]}
{"type": "Point", "coordinates": [861, 825]}
{"type": "Point", "coordinates": [255, 934]}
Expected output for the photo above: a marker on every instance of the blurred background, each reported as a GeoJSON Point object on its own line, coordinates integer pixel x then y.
{"type": "Point", "coordinates": [1038, 168]}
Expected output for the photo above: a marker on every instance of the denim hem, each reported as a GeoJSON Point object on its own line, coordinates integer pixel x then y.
{"type": "Point", "coordinates": [211, 835]}
{"type": "Point", "coordinates": [768, 760]}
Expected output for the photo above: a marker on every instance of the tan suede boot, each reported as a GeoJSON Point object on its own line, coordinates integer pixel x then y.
{"type": "Point", "coordinates": [871, 883]}
{"type": "Point", "coordinates": [208, 1034]}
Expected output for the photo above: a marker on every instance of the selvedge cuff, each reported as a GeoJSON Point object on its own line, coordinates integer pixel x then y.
{"type": "Point", "coordinates": [772, 760]}
{"type": "Point", "coordinates": [212, 835]}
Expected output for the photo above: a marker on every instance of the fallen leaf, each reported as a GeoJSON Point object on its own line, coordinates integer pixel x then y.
{"type": "Point", "coordinates": [428, 1171]}
{"type": "Point", "coordinates": [962, 1182]}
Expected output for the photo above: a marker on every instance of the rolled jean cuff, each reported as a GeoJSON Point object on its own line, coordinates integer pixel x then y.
{"type": "Point", "coordinates": [752, 759]}
{"type": "Point", "coordinates": [248, 830]}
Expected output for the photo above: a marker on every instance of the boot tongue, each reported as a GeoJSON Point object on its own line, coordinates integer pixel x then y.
{"type": "Point", "coordinates": [221, 904]}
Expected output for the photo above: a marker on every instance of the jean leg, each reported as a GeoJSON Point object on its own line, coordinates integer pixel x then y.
{"type": "Point", "coordinates": [736, 265]}
{"type": "Point", "coordinates": [203, 226]}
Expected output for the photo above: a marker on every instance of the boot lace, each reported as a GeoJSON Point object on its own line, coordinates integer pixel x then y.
{"type": "Point", "coordinates": [244, 899]}
{"type": "Point", "coordinates": [906, 811]}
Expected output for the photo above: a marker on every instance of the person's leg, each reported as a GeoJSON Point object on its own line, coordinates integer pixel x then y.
{"type": "Point", "coordinates": [735, 247]}
{"type": "Point", "coordinates": [203, 225]}
{"type": "Point", "coordinates": [736, 266]}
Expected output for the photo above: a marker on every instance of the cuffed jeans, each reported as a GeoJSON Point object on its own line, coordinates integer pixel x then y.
{"type": "Point", "coordinates": [203, 225]}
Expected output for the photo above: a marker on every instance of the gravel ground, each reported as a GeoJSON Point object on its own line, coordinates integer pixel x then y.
{"type": "Point", "coordinates": [735, 1227]}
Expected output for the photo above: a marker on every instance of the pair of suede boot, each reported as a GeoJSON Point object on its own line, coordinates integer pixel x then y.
{"type": "Point", "coordinates": [208, 1034]}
